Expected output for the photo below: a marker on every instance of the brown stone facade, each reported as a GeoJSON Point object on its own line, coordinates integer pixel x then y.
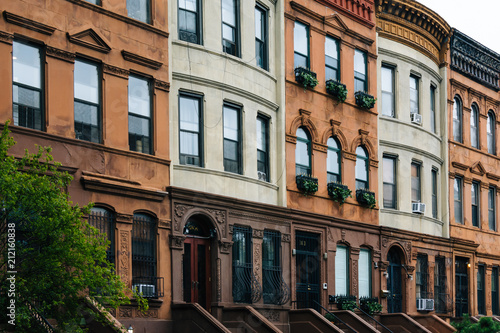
{"type": "Point", "coordinates": [108, 173]}
{"type": "Point", "coordinates": [474, 163]}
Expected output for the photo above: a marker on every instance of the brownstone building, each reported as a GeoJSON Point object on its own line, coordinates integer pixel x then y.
{"type": "Point", "coordinates": [90, 79]}
{"type": "Point", "coordinates": [474, 177]}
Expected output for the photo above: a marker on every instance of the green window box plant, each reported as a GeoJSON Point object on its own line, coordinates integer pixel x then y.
{"type": "Point", "coordinates": [306, 77]}
{"type": "Point", "coordinates": [339, 192]}
{"type": "Point", "coordinates": [337, 89]}
{"type": "Point", "coordinates": [364, 100]}
{"type": "Point", "coordinates": [366, 198]}
{"type": "Point", "coordinates": [370, 305]}
{"type": "Point", "coordinates": [307, 184]}
{"type": "Point", "coordinates": [346, 302]}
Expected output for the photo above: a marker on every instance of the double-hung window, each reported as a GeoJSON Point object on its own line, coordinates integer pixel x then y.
{"type": "Point", "coordinates": [389, 169]}
{"type": "Point", "coordinates": [342, 271]}
{"type": "Point", "coordinates": [414, 104]}
{"type": "Point", "coordinates": [416, 192]}
{"type": "Point", "coordinates": [261, 37]}
{"type": "Point", "coordinates": [434, 175]}
{"type": "Point", "coordinates": [490, 133]}
{"type": "Point", "coordinates": [300, 45]}
{"type": "Point", "coordinates": [360, 82]}
{"type": "Point", "coordinates": [263, 148]}
{"type": "Point", "coordinates": [475, 204]}
{"type": "Point", "coordinates": [232, 139]}
{"type": "Point", "coordinates": [492, 208]}
{"type": "Point", "coordinates": [27, 86]}
{"type": "Point", "coordinates": [474, 117]}
{"type": "Point", "coordinates": [457, 120]}
{"type": "Point", "coordinates": [333, 161]}
{"type": "Point", "coordinates": [190, 21]}
{"type": "Point", "coordinates": [364, 273]}
{"type": "Point", "coordinates": [87, 101]}
{"type": "Point", "coordinates": [458, 199]}
{"type": "Point", "coordinates": [332, 68]}
{"type": "Point", "coordinates": [387, 74]}
{"type": "Point", "coordinates": [303, 153]}
{"type": "Point", "coordinates": [230, 27]}
{"type": "Point", "coordinates": [433, 109]}
{"type": "Point", "coordinates": [144, 249]}
{"type": "Point", "coordinates": [361, 171]}
{"type": "Point", "coordinates": [190, 129]}
{"type": "Point", "coordinates": [139, 10]}
{"type": "Point", "coordinates": [139, 115]}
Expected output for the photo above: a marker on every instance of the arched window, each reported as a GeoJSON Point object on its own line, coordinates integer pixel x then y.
{"type": "Point", "coordinates": [303, 152]}
{"type": "Point", "coordinates": [333, 161]}
{"type": "Point", "coordinates": [103, 220]}
{"type": "Point", "coordinates": [144, 255]}
{"type": "Point", "coordinates": [361, 169]}
{"type": "Point", "coordinates": [490, 131]}
{"type": "Point", "coordinates": [457, 120]}
{"type": "Point", "coordinates": [474, 116]}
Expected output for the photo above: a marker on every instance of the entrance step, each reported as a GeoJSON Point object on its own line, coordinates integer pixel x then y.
{"type": "Point", "coordinates": [310, 321]}
{"type": "Point", "coordinates": [355, 321]}
{"type": "Point", "coordinates": [245, 319]}
{"type": "Point", "coordinates": [434, 324]}
{"type": "Point", "coordinates": [402, 323]}
{"type": "Point", "coordinates": [192, 317]}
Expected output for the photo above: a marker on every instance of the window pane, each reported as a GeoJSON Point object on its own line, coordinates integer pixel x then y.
{"type": "Point", "coordinates": [331, 49]}
{"type": "Point", "coordinates": [388, 170]}
{"type": "Point", "coordinates": [86, 82]}
{"type": "Point", "coordinates": [415, 182]}
{"type": "Point", "coordinates": [457, 120]}
{"type": "Point", "coordinates": [457, 194]}
{"type": "Point", "coordinates": [433, 109]}
{"type": "Point", "coordinates": [258, 24]}
{"type": "Point", "coordinates": [359, 62]}
{"type": "Point", "coordinates": [230, 123]}
{"type": "Point", "coordinates": [413, 94]}
{"type": "Point", "coordinates": [341, 280]}
{"type": "Point", "coordinates": [26, 96]}
{"type": "Point", "coordinates": [261, 134]}
{"type": "Point", "coordinates": [26, 65]}
{"type": "Point", "coordinates": [139, 99]}
{"type": "Point", "coordinates": [188, 4]}
{"type": "Point", "coordinates": [229, 12]}
{"type": "Point", "coordinates": [302, 153]}
{"type": "Point", "coordinates": [361, 168]}
{"type": "Point", "coordinates": [473, 127]}
{"type": "Point", "coordinates": [189, 114]}
{"type": "Point", "coordinates": [138, 9]}
{"type": "Point", "coordinates": [490, 133]}
{"type": "Point", "coordinates": [300, 38]}
{"type": "Point", "coordinates": [434, 193]}
{"type": "Point", "coordinates": [364, 273]}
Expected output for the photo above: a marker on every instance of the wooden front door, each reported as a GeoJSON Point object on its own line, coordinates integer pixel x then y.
{"type": "Point", "coordinates": [196, 271]}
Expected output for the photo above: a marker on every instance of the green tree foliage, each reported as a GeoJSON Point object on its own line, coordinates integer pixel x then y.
{"type": "Point", "coordinates": [485, 325]}
{"type": "Point", "coordinates": [59, 257]}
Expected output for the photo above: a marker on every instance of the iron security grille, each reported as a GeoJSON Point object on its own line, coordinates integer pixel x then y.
{"type": "Point", "coordinates": [422, 276]}
{"type": "Point", "coordinates": [143, 247]}
{"type": "Point", "coordinates": [104, 221]}
{"type": "Point", "coordinates": [275, 290]}
{"type": "Point", "coordinates": [461, 287]}
{"type": "Point", "coordinates": [307, 270]}
{"type": "Point", "coordinates": [441, 298]}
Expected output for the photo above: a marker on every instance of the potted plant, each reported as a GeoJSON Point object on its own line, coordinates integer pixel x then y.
{"type": "Point", "coordinates": [370, 305]}
{"type": "Point", "coordinates": [366, 198]}
{"type": "Point", "coordinates": [337, 89]}
{"type": "Point", "coordinates": [339, 192]}
{"type": "Point", "coordinates": [346, 302]}
{"type": "Point", "coordinates": [307, 184]}
{"type": "Point", "coordinates": [364, 100]}
{"type": "Point", "coordinates": [306, 77]}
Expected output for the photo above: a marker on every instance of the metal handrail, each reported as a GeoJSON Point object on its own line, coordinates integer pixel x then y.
{"type": "Point", "coordinates": [337, 318]}
{"type": "Point", "coordinates": [39, 318]}
{"type": "Point", "coordinates": [372, 318]}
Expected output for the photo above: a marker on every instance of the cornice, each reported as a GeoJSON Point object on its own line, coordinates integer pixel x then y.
{"type": "Point", "coordinates": [410, 60]}
{"type": "Point", "coordinates": [146, 62]}
{"type": "Point", "coordinates": [364, 13]}
{"type": "Point", "coordinates": [475, 50]}
{"type": "Point", "coordinates": [28, 24]}
{"type": "Point", "coordinates": [116, 71]}
{"type": "Point", "coordinates": [6, 37]}
{"type": "Point", "coordinates": [82, 38]}
{"type": "Point", "coordinates": [60, 54]}
{"type": "Point", "coordinates": [417, 151]}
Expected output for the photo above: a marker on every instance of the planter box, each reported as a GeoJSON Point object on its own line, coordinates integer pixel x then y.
{"type": "Point", "coordinates": [364, 100]}
{"type": "Point", "coordinates": [340, 300]}
{"type": "Point", "coordinates": [307, 184]}
{"type": "Point", "coordinates": [336, 89]}
{"type": "Point", "coordinates": [333, 191]}
{"type": "Point", "coordinates": [361, 198]}
{"type": "Point", "coordinates": [301, 73]}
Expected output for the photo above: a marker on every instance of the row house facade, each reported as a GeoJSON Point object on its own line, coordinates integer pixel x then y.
{"type": "Point", "coordinates": [90, 79]}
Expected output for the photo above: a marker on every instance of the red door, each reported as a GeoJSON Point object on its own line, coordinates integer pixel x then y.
{"type": "Point", "coordinates": [196, 269]}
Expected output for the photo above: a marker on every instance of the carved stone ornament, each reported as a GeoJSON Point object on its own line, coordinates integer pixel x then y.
{"type": "Point", "coordinates": [162, 85]}
{"type": "Point", "coordinates": [383, 265]}
{"type": "Point", "coordinates": [125, 312]}
{"type": "Point", "coordinates": [256, 261]}
{"type": "Point", "coordinates": [219, 279]}
{"type": "Point", "coordinates": [60, 54]}
{"type": "Point", "coordinates": [285, 238]}
{"type": "Point", "coordinates": [355, 277]}
{"type": "Point", "coordinates": [177, 242]}
{"type": "Point", "coordinates": [28, 24]}
{"type": "Point", "coordinates": [343, 232]}
{"type": "Point", "coordinates": [116, 71]}
{"type": "Point", "coordinates": [225, 247]}
{"type": "Point", "coordinates": [258, 233]}
{"type": "Point", "coordinates": [146, 62]}
{"type": "Point", "coordinates": [385, 241]}
{"type": "Point", "coordinates": [6, 37]}
{"type": "Point", "coordinates": [151, 313]}
{"type": "Point", "coordinates": [124, 255]}
{"type": "Point", "coordinates": [179, 211]}
{"type": "Point", "coordinates": [271, 315]}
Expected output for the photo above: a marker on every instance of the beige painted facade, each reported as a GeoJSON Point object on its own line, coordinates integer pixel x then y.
{"type": "Point", "coordinates": [205, 70]}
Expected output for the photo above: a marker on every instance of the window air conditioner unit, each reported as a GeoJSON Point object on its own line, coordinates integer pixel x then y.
{"type": "Point", "coordinates": [147, 290]}
{"type": "Point", "coordinates": [418, 207]}
{"type": "Point", "coordinates": [425, 304]}
{"type": "Point", "coordinates": [416, 118]}
{"type": "Point", "coordinates": [262, 175]}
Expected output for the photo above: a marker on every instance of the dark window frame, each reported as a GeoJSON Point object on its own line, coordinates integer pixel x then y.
{"type": "Point", "coordinates": [359, 76]}
{"type": "Point", "coordinates": [331, 176]}
{"type": "Point", "coordinates": [184, 157]}
{"type": "Point", "coordinates": [150, 118]}
{"type": "Point", "coordinates": [264, 54]}
{"type": "Point", "coordinates": [422, 276]}
{"type": "Point", "coordinates": [474, 126]}
{"type": "Point", "coordinates": [393, 201]}
{"type": "Point", "coordinates": [491, 133]}
{"type": "Point", "coordinates": [475, 204]}
{"type": "Point", "coordinates": [416, 79]}
{"type": "Point", "coordinates": [239, 142]}
{"type": "Point", "coordinates": [457, 122]}
{"type": "Point", "coordinates": [104, 220]}
{"type": "Point", "coordinates": [236, 30]}
{"type": "Point", "coordinates": [458, 203]}
{"type": "Point", "coordinates": [148, 11]}
{"type": "Point", "coordinates": [242, 268]}
{"type": "Point", "coordinates": [272, 279]}
{"type": "Point", "coordinates": [188, 36]}
{"type": "Point", "coordinates": [418, 197]}
{"type": "Point", "coordinates": [265, 120]}
{"type": "Point", "coordinates": [435, 188]}
{"type": "Point", "coordinates": [481, 289]}
{"type": "Point", "coordinates": [492, 208]}
{"type": "Point", "coordinates": [391, 93]}
{"type": "Point", "coordinates": [331, 67]}
{"type": "Point", "coordinates": [366, 160]}
{"type": "Point", "coordinates": [98, 106]}
{"type": "Point", "coordinates": [295, 52]}
{"type": "Point", "coordinates": [40, 90]}
{"type": "Point", "coordinates": [432, 92]}
{"type": "Point", "coordinates": [299, 168]}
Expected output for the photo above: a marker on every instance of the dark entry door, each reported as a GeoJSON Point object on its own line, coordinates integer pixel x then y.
{"type": "Point", "coordinates": [394, 282]}
{"type": "Point", "coordinates": [196, 271]}
{"type": "Point", "coordinates": [307, 270]}
{"type": "Point", "coordinates": [461, 287]}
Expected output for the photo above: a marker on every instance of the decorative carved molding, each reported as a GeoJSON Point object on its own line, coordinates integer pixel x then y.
{"type": "Point", "coordinates": [330, 235]}
{"type": "Point", "coordinates": [374, 163]}
{"type": "Point", "coordinates": [343, 232]}
{"type": "Point", "coordinates": [271, 315]}
{"type": "Point", "coordinates": [90, 39]}
{"type": "Point", "coordinates": [254, 217]}
{"type": "Point", "coordinates": [220, 217]}
{"type": "Point", "coordinates": [492, 176]}
{"type": "Point", "coordinates": [177, 242]}
{"type": "Point", "coordinates": [410, 269]}
{"type": "Point", "coordinates": [383, 265]}
{"type": "Point", "coordinates": [477, 168]}
{"type": "Point", "coordinates": [164, 224]}
{"type": "Point", "coordinates": [6, 37]}
{"type": "Point", "coordinates": [291, 138]}
{"type": "Point", "coordinates": [320, 147]}
{"type": "Point", "coordinates": [285, 238]}
{"type": "Point", "coordinates": [28, 24]}
{"type": "Point", "coordinates": [349, 155]}
{"type": "Point", "coordinates": [151, 313]}
{"type": "Point", "coordinates": [116, 71]}
{"type": "Point", "coordinates": [459, 166]}
{"type": "Point", "coordinates": [256, 261]}
{"type": "Point", "coordinates": [125, 312]}
{"type": "Point", "coordinates": [124, 218]}
{"type": "Point", "coordinates": [124, 255]}
{"type": "Point", "coordinates": [219, 280]}
{"type": "Point", "coordinates": [385, 241]}
{"type": "Point", "coordinates": [258, 233]}
{"type": "Point", "coordinates": [143, 61]}
{"type": "Point", "coordinates": [354, 277]}
{"type": "Point", "coordinates": [162, 85]}
{"type": "Point", "coordinates": [179, 211]}
{"type": "Point", "coordinates": [225, 246]}
{"type": "Point", "coordinates": [60, 54]}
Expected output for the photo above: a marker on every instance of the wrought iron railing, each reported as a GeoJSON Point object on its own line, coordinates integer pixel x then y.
{"type": "Point", "coordinates": [377, 323]}
{"type": "Point", "coordinates": [149, 286]}
{"type": "Point", "coordinates": [337, 319]}
{"type": "Point", "coordinates": [246, 287]}
{"type": "Point", "coordinates": [105, 223]}
{"type": "Point", "coordinates": [39, 318]}
{"type": "Point", "coordinates": [275, 290]}
{"type": "Point", "coordinates": [443, 303]}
